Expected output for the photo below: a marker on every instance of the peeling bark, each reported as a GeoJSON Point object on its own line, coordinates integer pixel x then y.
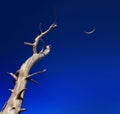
{"type": "Point", "coordinates": [22, 76]}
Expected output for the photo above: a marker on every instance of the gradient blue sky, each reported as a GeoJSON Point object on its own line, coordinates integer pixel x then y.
{"type": "Point", "coordinates": [83, 71]}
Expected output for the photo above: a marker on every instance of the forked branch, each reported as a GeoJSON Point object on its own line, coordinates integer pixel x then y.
{"type": "Point", "coordinates": [38, 38]}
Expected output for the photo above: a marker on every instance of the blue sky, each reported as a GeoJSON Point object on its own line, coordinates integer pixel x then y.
{"type": "Point", "coordinates": [83, 75]}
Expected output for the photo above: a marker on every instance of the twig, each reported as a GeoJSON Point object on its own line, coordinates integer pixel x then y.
{"type": "Point", "coordinates": [40, 27]}
{"type": "Point", "coordinates": [39, 72]}
{"type": "Point", "coordinates": [13, 75]}
{"type": "Point", "coordinates": [34, 81]}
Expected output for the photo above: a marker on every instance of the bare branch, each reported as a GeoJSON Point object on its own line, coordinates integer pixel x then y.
{"type": "Point", "coordinates": [22, 109]}
{"type": "Point", "coordinates": [40, 27]}
{"type": "Point", "coordinates": [38, 38]}
{"type": "Point", "coordinates": [27, 43]}
{"type": "Point", "coordinates": [34, 81]}
{"type": "Point", "coordinates": [11, 90]}
{"type": "Point", "coordinates": [55, 18]}
{"type": "Point", "coordinates": [39, 72]}
{"type": "Point", "coordinates": [13, 75]}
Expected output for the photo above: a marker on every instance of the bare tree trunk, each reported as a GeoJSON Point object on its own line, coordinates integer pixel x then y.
{"type": "Point", "coordinates": [14, 103]}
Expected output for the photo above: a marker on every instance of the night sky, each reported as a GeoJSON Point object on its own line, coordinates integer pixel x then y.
{"type": "Point", "coordinates": [83, 71]}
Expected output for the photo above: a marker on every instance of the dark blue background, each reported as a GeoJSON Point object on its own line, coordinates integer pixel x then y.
{"type": "Point", "coordinates": [83, 71]}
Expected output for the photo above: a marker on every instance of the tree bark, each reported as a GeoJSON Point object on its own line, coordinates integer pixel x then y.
{"type": "Point", "coordinates": [22, 76]}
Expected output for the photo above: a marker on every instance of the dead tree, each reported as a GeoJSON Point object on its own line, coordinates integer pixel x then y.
{"type": "Point", "coordinates": [22, 76]}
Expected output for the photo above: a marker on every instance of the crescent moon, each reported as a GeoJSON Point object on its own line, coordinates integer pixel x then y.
{"type": "Point", "coordinates": [90, 32]}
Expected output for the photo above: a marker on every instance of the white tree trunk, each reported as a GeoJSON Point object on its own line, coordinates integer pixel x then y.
{"type": "Point", "coordinates": [14, 103]}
